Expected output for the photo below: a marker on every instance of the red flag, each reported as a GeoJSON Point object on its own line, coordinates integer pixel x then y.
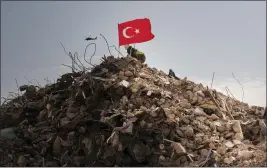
{"type": "Point", "coordinates": [135, 31]}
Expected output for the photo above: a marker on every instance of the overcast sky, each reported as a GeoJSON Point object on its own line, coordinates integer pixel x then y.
{"type": "Point", "coordinates": [195, 39]}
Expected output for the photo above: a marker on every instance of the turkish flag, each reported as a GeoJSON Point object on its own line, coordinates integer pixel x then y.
{"type": "Point", "coordinates": [135, 31]}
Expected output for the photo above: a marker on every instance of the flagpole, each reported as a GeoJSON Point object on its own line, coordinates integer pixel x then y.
{"type": "Point", "coordinates": [119, 51]}
{"type": "Point", "coordinates": [118, 44]}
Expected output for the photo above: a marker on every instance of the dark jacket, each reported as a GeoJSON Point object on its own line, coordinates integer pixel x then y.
{"type": "Point", "coordinates": [136, 54]}
{"type": "Point", "coordinates": [172, 74]}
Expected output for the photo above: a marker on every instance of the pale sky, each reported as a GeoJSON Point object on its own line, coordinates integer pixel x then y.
{"type": "Point", "coordinates": [193, 38]}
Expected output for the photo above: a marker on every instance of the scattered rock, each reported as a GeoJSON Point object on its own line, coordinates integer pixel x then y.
{"type": "Point", "coordinates": [57, 146]}
{"type": "Point", "coordinates": [8, 133]}
{"type": "Point", "coordinates": [237, 128]}
{"type": "Point", "coordinates": [189, 132]}
{"type": "Point", "coordinates": [221, 129]}
{"type": "Point", "coordinates": [139, 151]}
{"type": "Point", "coordinates": [22, 161]}
{"type": "Point", "coordinates": [221, 150]}
{"type": "Point", "coordinates": [124, 113]}
{"type": "Point", "coordinates": [79, 160]}
{"type": "Point", "coordinates": [185, 105]}
{"type": "Point", "coordinates": [229, 144]}
{"type": "Point", "coordinates": [179, 149]}
{"type": "Point", "coordinates": [199, 111]}
{"type": "Point", "coordinates": [125, 83]}
{"type": "Point", "coordinates": [229, 160]}
{"type": "Point", "coordinates": [128, 73]}
{"type": "Point", "coordinates": [245, 154]}
{"type": "Point", "coordinates": [204, 153]}
{"type": "Point", "coordinates": [144, 75]}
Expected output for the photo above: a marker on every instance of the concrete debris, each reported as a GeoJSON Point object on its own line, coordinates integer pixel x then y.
{"type": "Point", "coordinates": [124, 113]}
{"type": "Point", "coordinates": [179, 149]}
{"type": "Point", "coordinates": [8, 133]}
{"type": "Point", "coordinates": [125, 83]}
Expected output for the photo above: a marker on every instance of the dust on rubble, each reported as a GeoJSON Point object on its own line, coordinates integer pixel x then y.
{"type": "Point", "coordinates": [124, 113]}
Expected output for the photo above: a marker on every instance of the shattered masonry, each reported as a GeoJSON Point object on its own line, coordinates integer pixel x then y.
{"type": "Point", "coordinates": [124, 113]}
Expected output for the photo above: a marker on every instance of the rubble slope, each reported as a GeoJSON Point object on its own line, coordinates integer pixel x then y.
{"type": "Point", "coordinates": [124, 113]}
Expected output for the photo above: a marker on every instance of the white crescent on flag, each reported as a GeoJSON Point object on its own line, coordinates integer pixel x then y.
{"type": "Point", "coordinates": [124, 32]}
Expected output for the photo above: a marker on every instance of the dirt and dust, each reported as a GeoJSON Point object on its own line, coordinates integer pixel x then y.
{"type": "Point", "coordinates": [124, 113]}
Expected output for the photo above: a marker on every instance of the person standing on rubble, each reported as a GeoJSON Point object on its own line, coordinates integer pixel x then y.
{"type": "Point", "coordinates": [133, 52]}
{"type": "Point", "coordinates": [172, 74]}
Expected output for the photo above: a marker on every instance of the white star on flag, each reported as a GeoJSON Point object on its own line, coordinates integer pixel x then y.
{"type": "Point", "coordinates": [137, 31]}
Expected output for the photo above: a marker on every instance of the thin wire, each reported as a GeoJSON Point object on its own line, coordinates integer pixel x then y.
{"type": "Point", "coordinates": [90, 62]}
{"type": "Point", "coordinates": [240, 85]}
{"type": "Point", "coordinates": [106, 43]}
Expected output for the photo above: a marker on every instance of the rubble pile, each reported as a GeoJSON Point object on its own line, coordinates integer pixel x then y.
{"type": "Point", "coordinates": [124, 113]}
